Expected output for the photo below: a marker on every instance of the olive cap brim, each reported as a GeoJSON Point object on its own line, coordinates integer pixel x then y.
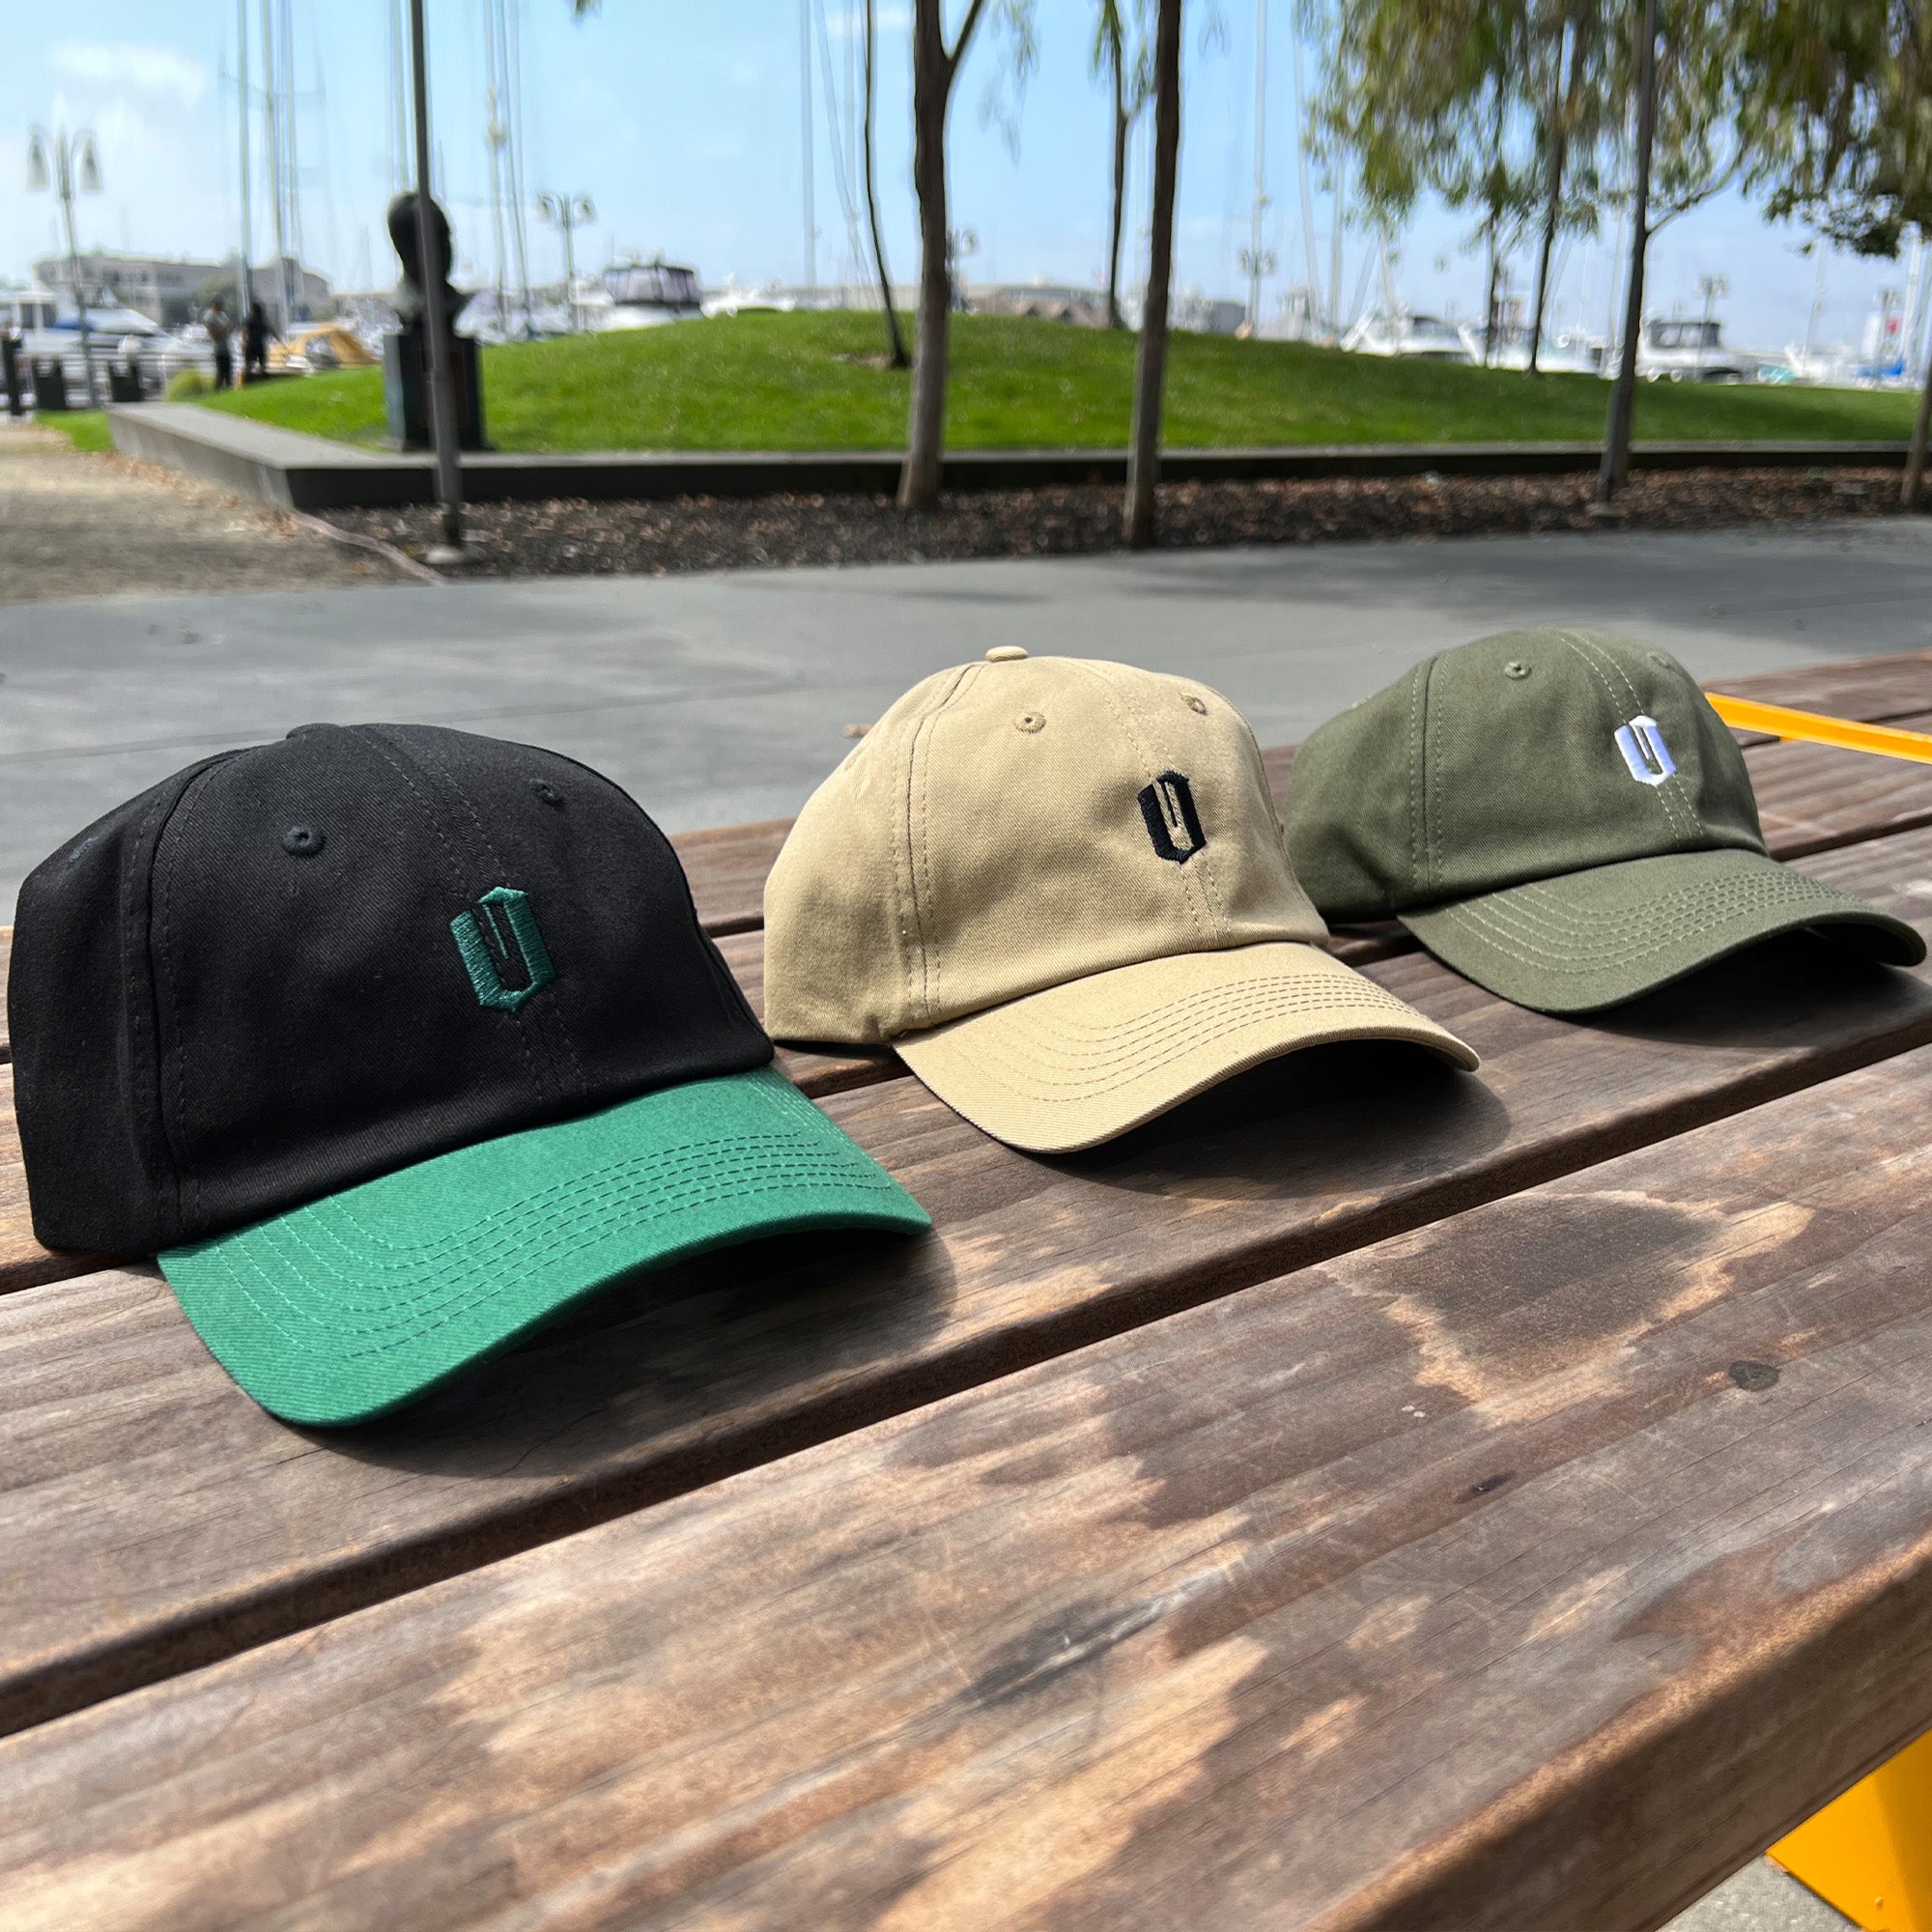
{"type": "Point", "coordinates": [346, 1308]}
{"type": "Point", "coordinates": [1078, 1063]}
{"type": "Point", "coordinates": [1585, 940]}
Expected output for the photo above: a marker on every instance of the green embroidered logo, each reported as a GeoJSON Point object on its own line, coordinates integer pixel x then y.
{"type": "Point", "coordinates": [512, 928]}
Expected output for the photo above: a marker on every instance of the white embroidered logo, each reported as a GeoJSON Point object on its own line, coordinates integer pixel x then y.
{"type": "Point", "coordinates": [1648, 756]}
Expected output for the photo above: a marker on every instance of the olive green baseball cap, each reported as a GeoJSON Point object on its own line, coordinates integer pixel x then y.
{"type": "Point", "coordinates": [1562, 817]}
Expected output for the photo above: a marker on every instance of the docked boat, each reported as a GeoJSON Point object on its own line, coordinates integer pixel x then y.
{"type": "Point", "coordinates": [1427, 338]}
{"type": "Point", "coordinates": [47, 325]}
{"type": "Point", "coordinates": [1572, 353]}
{"type": "Point", "coordinates": [1687, 349]}
{"type": "Point", "coordinates": [641, 294]}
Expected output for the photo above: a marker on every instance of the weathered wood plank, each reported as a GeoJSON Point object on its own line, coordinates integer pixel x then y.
{"type": "Point", "coordinates": [1532, 1569]}
{"type": "Point", "coordinates": [1875, 691]}
{"type": "Point", "coordinates": [727, 868]}
{"type": "Point", "coordinates": [121, 1435]}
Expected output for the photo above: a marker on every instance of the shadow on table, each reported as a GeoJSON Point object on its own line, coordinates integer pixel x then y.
{"type": "Point", "coordinates": [735, 1357]}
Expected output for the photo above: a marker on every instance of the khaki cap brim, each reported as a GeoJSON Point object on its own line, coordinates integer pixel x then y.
{"type": "Point", "coordinates": [1582, 941]}
{"type": "Point", "coordinates": [1078, 1063]}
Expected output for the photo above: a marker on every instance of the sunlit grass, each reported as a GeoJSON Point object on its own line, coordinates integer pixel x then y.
{"type": "Point", "coordinates": [816, 381]}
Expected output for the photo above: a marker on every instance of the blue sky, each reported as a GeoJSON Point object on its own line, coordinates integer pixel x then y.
{"type": "Point", "coordinates": [683, 123]}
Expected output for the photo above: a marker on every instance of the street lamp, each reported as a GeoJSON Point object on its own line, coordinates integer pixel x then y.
{"type": "Point", "coordinates": [58, 161]}
{"type": "Point", "coordinates": [569, 212]}
{"type": "Point", "coordinates": [1257, 264]}
{"type": "Point", "coordinates": [960, 242]}
{"type": "Point", "coordinates": [1709, 287]}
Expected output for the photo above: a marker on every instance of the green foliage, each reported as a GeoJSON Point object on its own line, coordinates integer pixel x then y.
{"type": "Point", "coordinates": [1841, 94]}
{"type": "Point", "coordinates": [184, 385]}
{"type": "Point", "coordinates": [816, 381]}
{"type": "Point", "coordinates": [86, 429]}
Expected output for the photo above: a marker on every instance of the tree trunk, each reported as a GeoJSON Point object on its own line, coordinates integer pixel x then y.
{"type": "Point", "coordinates": [1552, 215]}
{"type": "Point", "coordinates": [1122, 127]}
{"type": "Point", "coordinates": [1915, 462]}
{"type": "Point", "coordinates": [1623, 393]}
{"type": "Point", "coordinates": [899, 357]}
{"type": "Point", "coordinates": [931, 90]}
{"type": "Point", "coordinates": [1150, 364]}
{"type": "Point", "coordinates": [1496, 223]}
{"type": "Point", "coordinates": [1556, 132]}
{"type": "Point", "coordinates": [1489, 302]}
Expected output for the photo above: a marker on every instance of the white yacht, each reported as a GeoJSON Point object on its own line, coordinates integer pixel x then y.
{"type": "Point", "coordinates": [641, 294]}
{"type": "Point", "coordinates": [1687, 349]}
{"type": "Point", "coordinates": [1427, 337]}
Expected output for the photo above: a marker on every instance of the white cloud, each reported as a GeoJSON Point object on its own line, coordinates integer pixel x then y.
{"type": "Point", "coordinates": [121, 64]}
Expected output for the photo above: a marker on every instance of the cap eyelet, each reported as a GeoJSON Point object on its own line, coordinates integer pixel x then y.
{"type": "Point", "coordinates": [1515, 667]}
{"type": "Point", "coordinates": [1030, 721]}
{"type": "Point", "coordinates": [545, 792]}
{"type": "Point", "coordinates": [303, 842]}
{"type": "Point", "coordinates": [1195, 705]}
{"type": "Point", "coordinates": [1662, 662]}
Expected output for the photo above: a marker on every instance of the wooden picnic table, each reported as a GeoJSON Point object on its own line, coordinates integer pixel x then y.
{"type": "Point", "coordinates": [1367, 1497]}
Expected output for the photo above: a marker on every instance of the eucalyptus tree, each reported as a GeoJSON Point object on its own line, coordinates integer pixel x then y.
{"type": "Point", "coordinates": [1681, 82]}
{"type": "Point", "coordinates": [1841, 94]}
{"type": "Point", "coordinates": [895, 341]}
{"type": "Point", "coordinates": [1566, 41]}
{"type": "Point", "coordinates": [935, 66]}
{"type": "Point", "coordinates": [1150, 356]}
{"type": "Point", "coordinates": [1123, 58]}
{"type": "Point", "coordinates": [1428, 96]}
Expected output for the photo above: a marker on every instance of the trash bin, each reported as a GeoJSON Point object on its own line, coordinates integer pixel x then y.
{"type": "Point", "coordinates": [49, 384]}
{"type": "Point", "coordinates": [124, 383]}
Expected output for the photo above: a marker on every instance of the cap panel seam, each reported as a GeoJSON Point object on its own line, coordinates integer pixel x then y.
{"type": "Point", "coordinates": [368, 734]}
{"type": "Point", "coordinates": [1418, 882]}
{"type": "Point", "coordinates": [425, 754]}
{"type": "Point", "coordinates": [134, 955]}
{"type": "Point", "coordinates": [1431, 785]}
{"type": "Point", "coordinates": [1575, 647]}
{"type": "Point", "coordinates": [175, 1126]}
{"type": "Point", "coordinates": [1193, 893]}
{"type": "Point", "coordinates": [909, 886]}
{"type": "Point", "coordinates": [1676, 802]}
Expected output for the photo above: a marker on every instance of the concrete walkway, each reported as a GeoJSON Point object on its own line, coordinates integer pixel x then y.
{"type": "Point", "coordinates": [720, 698]}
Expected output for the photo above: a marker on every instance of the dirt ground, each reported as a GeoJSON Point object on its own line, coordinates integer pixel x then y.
{"type": "Point", "coordinates": [77, 525]}
{"type": "Point", "coordinates": [575, 538]}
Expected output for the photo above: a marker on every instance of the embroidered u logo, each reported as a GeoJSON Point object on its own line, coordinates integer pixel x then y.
{"type": "Point", "coordinates": [511, 941]}
{"type": "Point", "coordinates": [1648, 756]}
{"type": "Point", "coordinates": [1171, 821]}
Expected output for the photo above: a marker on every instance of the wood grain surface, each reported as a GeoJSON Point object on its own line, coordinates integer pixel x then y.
{"type": "Point", "coordinates": [1532, 1569]}
{"type": "Point", "coordinates": [245, 1529]}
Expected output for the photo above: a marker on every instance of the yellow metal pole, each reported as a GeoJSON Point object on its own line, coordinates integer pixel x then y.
{"type": "Point", "coordinates": [1869, 1853]}
{"type": "Point", "coordinates": [1747, 714]}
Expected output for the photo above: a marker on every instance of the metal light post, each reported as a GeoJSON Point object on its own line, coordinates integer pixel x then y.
{"type": "Point", "coordinates": [1256, 264]}
{"type": "Point", "coordinates": [569, 212]}
{"type": "Point", "coordinates": [58, 161]}
{"type": "Point", "coordinates": [1709, 287]}
{"type": "Point", "coordinates": [435, 322]}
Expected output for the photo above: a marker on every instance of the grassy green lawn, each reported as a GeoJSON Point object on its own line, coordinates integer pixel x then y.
{"type": "Point", "coordinates": [85, 429]}
{"type": "Point", "coordinates": [814, 381]}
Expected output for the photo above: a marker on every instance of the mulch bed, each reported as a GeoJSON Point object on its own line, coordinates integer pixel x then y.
{"type": "Point", "coordinates": [581, 538]}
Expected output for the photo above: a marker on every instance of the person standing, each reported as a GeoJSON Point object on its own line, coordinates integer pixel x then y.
{"type": "Point", "coordinates": [256, 333]}
{"type": "Point", "coordinates": [220, 334]}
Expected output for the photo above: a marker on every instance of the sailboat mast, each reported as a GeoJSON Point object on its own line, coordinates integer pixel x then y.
{"type": "Point", "coordinates": [1261, 166]}
{"type": "Point", "coordinates": [247, 293]}
{"type": "Point", "coordinates": [804, 137]}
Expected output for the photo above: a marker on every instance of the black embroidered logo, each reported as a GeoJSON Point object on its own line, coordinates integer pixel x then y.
{"type": "Point", "coordinates": [1172, 822]}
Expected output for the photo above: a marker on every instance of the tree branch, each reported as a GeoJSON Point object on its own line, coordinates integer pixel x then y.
{"type": "Point", "coordinates": [958, 47]}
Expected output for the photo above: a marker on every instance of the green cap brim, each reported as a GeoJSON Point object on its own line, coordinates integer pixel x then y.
{"type": "Point", "coordinates": [340, 1310]}
{"type": "Point", "coordinates": [1586, 940]}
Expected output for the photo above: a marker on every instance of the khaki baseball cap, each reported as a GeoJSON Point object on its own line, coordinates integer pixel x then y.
{"type": "Point", "coordinates": [1562, 817]}
{"type": "Point", "coordinates": [1058, 888]}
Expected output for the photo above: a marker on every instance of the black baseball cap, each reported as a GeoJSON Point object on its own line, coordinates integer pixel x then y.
{"type": "Point", "coordinates": [393, 1042]}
